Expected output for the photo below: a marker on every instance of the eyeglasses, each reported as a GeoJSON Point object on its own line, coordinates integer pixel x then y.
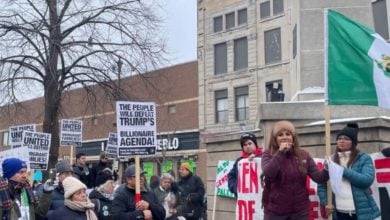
{"type": "Point", "coordinates": [343, 138]}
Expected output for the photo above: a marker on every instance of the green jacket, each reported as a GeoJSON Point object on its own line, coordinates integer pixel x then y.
{"type": "Point", "coordinates": [38, 208]}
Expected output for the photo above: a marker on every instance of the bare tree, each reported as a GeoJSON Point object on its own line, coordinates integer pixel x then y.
{"type": "Point", "coordinates": [56, 45]}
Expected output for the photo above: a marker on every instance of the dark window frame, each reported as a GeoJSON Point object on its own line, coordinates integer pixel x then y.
{"type": "Point", "coordinates": [220, 25]}
{"type": "Point", "coordinates": [239, 94]}
{"type": "Point", "coordinates": [240, 57]}
{"type": "Point", "coordinates": [272, 46]}
{"type": "Point", "coordinates": [230, 17]}
{"type": "Point", "coordinates": [220, 68]}
{"type": "Point", "coordinates": [240, 20]}
{"type": "Point", "coordinates": [221, 95]}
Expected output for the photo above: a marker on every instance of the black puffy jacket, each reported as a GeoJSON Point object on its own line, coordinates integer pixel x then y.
{"type": "Point", "coordinates": [123, 205]}
{"type": "Point", "coordinates": [192, 194]}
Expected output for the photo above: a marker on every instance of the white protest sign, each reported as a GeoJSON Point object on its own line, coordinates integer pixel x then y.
{"type": "Point", "coordinates": [221, 181]}
{"type": "Point", "coordinates": [38, 145]}
{"type": "Point", "coordinates": [20, 153]}
{"type": "Point", "coordinates": [71, 132]}
{"type": "Point", "coordinates": [136, 128]}
{"type": "Point", "coordinates": [112, 145]}
{"type": "Point", "coordinates": [381, 185]}
{"type": "Point", "coordinates": [16, 134]}
{"type": "Point", "coordinates": [249, 190]}
{"type": "Point", "coordinates": [316, 211]}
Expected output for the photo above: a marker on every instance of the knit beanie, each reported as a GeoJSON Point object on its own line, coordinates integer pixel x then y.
{"type": "Point", "coordinates": [351, 131]}
{"type": "Point", "coordinates": [283, 125]}
{"type": "Point", "coordinates": [248, 136]}
{"type": "Point", "coordinates": [11, 166]}
{"type": "Point", "coordinates": [63, 166]}
{"type": "Point", "coordinates": [102, 178]}
{"type": "Point", "coordinates": [72, 185]}
{"type": "Point", "coordinates": [185, 166]}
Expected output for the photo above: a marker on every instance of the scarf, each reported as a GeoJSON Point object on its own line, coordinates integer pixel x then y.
{"type": "Point", "coordinates": [86, 207]}
{"type": "Point", "coordinates": [108, 196]}
{"type": "Point", "coordinates": [257, 152]}
{"type": "Point", "coordinates": [344, 158]}
{"type": "Point", "coordinates": [26, 185]}
{"type": "Point", "coordinates": [5, 199]}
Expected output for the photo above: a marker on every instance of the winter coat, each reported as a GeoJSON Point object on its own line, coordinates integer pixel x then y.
{"type": "Point", "coordinates": [285, 189]}
{"type": "Point", "coordinates": [57, 199]}
{"type": "Point", "coordinates": [361, 175]}
{"type": "Point", "coordinates": [65, 213]}
{"type": "Point", "coordinates": [102, 205]}
{"type": "Point", "coordinates": [123, 205]}
{"type": "Point", "coordinates": [83, 174]}
{"type": "Point", "coordinates": [173, 193]}
{"type": "Point", "coordinates": [192, 193]}
{"type": "Point", "coordinates": [39, 208]}
{"type": "Point", "coordinates": [99, 167]}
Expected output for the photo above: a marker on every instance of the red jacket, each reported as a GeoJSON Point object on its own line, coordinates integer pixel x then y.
{"type": "Point", "coordinates": [285, 191]}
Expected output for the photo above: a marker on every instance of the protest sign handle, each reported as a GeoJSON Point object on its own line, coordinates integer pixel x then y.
{"type": "Point", "coordinates": [31, 177]}
{"type": "Point", "coordinates": [71, 154]}
{"type": "Point", "coordinates": [328, 151]}
{"type": "Point", "coordinates": [214, 204]}
{"type": "Point", "coordinates": [137, 180]}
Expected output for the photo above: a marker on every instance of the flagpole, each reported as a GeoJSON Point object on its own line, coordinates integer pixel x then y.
{"type": "Point", "coordinates": [328, 152]}
{"type": "Point", "coordinates": [327, 108]}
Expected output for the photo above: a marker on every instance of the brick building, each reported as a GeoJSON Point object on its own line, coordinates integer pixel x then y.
{"type": "Point", "coordinates": [174, 90]}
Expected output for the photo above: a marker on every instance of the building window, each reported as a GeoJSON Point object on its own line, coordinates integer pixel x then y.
{"type": "Point", "coordinates": [229, 18]}
{"type": "Point", "coordinates": [278, 7]}
{"type": "Point", "coordinates": [221, 106]}
{"type": "Point", "coordinates": [218, 24]}
{"type": "Point", "coordinates": [242, 103]}
{"type": "Point", "coordinates": [272, 46]}
{"type": "Point", "coordinates": [242, 17]}
{"type": "Point", "coordinates": [295, 41]}
{"type": "Point", "coordinates": [379, 11]}
{"type": "Point", "coordinates": [265, 10]}
{"type": "Point", "coordinates": [171, 109]}
{"type": "Point", "coordinates": [274, 91]}
{"type": "Point", "coordinates": [5, 137]}
{"type": "Point", "coordinates": [240, 53]}
{"type": "Point", "coordinates": [220, 58]}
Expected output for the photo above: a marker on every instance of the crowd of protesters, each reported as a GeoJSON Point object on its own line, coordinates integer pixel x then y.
{"type": "Point", "coordinates": [79, 193]}
{"type": "Point", "coordinates": [284, 169]}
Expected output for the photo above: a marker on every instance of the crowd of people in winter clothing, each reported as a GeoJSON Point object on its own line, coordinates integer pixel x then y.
{"type": "Point", "coordinates": [69, 197]}
{"type": "Point", "coordinates": [285, 167]}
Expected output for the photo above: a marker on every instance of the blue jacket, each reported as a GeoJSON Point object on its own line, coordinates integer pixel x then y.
{"type": "Point", "coordinates": [361, 176]}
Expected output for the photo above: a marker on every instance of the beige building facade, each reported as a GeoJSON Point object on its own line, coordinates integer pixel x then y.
{"type": "Point", "coordinates": [260, 61]}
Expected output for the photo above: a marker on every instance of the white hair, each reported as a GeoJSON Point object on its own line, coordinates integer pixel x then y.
{"type": "Point", "coordinates": [167, 176]}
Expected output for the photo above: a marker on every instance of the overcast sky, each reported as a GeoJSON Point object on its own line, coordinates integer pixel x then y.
{"type": "Point", "coordinates": [180, 29]}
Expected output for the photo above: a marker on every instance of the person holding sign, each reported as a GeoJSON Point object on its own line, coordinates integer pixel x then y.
{"type": "Point", "coordinates": [17, 197]}
{"type": "Point", "coordinates": [354, 200]}
{"type": "Point", "coordinates": [285, 167]}
{"type": "Point", "coordinates": [249, 149]}
{"type": "Point", "coordinates": [124, 205]}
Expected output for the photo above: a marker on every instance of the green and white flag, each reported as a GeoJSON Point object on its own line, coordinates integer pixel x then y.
{"type": "Point", "coordinates": [357, 63]}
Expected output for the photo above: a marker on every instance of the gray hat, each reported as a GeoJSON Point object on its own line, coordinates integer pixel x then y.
{"type": "Point", "coordinates": [63, 166]}
{"type": "Point", "coordinates": [130, 171]}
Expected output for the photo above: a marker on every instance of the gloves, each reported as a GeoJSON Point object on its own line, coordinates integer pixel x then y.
{"type": "Point", "coordinates": [48, 186]}
{"type": "Point", "coordinates": [326, 166]}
